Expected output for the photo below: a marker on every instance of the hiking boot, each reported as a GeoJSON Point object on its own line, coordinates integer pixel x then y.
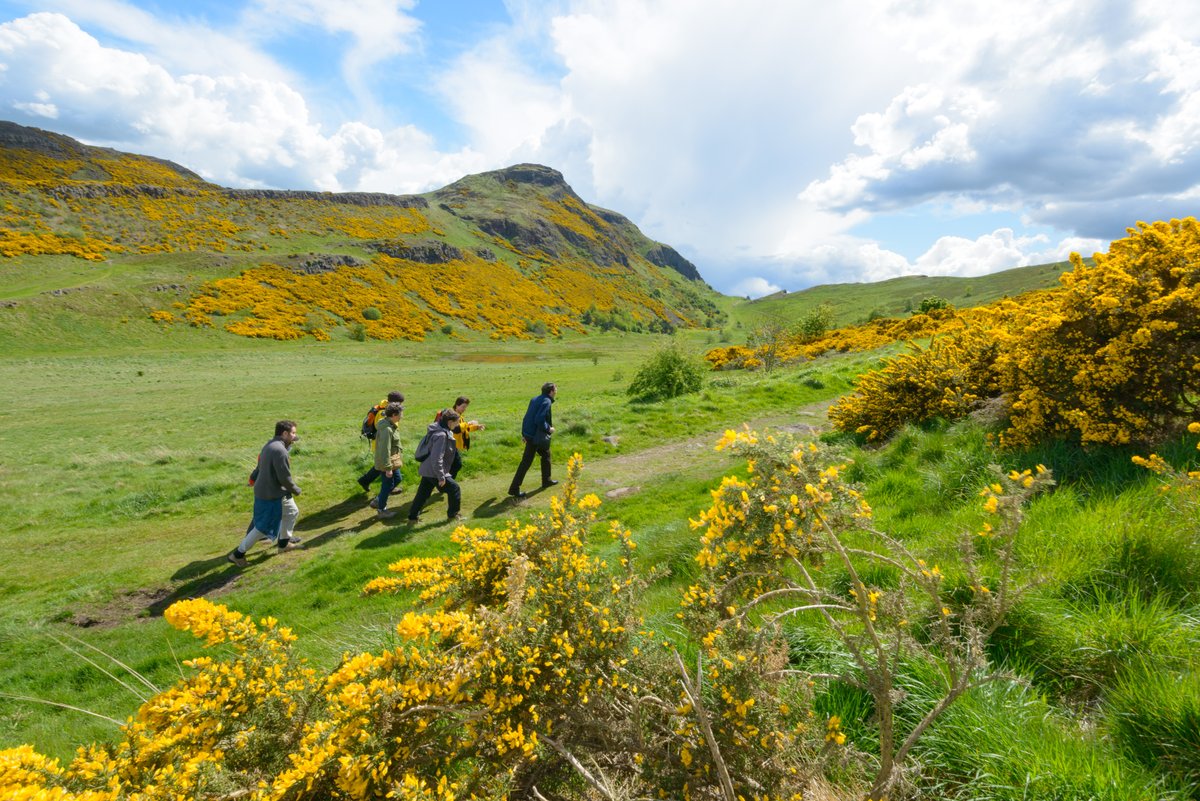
{"type": "Point", "coordinates": [518, 494]}
{"type": "Point", "coordinates": [454, 518]}
{"type": "Point", "coordinates": [233, 557]}
{"type": "Point", "coordinates": [385, 514]}
{"type": "Point", "coordinates": [374, 502]}
{"type": "Point", "coordinates": [397, 489]}
{"type": "Point", "coordinates": [549, 483]}
{"type": "Point", "coordinates": [289, 543]}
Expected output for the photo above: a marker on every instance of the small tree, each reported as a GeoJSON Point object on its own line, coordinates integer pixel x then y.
{"type": "Point", "coordinates": [816, 322]}
{"type": "Point", "coordinates": [932, 303]}
{"type": "Point", "coordinates": [669, 373]}
{"type": "Point", "coordinates": [768, 340]}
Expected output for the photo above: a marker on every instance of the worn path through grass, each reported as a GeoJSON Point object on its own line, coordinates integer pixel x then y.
{"type": "Point", "coordinates": [485, 503]}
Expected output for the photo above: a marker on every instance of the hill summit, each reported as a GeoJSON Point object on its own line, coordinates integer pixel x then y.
{"type": "Point", "coordinates": [509, 253]}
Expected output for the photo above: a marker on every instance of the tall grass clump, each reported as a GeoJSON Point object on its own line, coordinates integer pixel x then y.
{"type": "Point", "coordinates": [1155, 717]}
{"type": "Point", "coordinates": [1003, 742]}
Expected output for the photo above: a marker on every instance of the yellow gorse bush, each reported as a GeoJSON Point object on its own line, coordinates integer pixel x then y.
{"type": "Point", "coordinates": [1111, 358]}
{"type": "Point", "coordinates": [947, 379]}
{"type": "Point", "coordinates": [1116, 361]}
{"type": "Point", "coordinates": [769, 542]}
{"type": "Point", "coordinates": [488, 296]}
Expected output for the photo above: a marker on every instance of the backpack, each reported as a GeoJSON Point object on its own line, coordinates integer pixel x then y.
{"type": "Point", "coordinates": [368, 423]}
{"type": "Point", "coordinates": [422, 451]}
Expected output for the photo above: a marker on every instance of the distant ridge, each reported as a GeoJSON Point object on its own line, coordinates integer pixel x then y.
{"type": "Point", "coordinates": [530, 257]}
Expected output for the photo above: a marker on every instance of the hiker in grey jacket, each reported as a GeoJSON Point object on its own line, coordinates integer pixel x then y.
{"type": "Point", "coordinates": [274, 487]}
{"type": "Point", "coordinates": [434, 469]}
{"type": "Point", "coordinates": [388, 459]}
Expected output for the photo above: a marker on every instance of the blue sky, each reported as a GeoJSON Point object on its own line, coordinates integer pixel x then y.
{"type": "Point", "coordinates": [776, 145]}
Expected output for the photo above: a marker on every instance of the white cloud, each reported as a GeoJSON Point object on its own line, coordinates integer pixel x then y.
{"type": "Point", "coordinates": [501, 101]}
{"type": "Point", "coordinates": [233, 129]}
{"type": "Point", "coordinates": [754, 287]}
{"type": "Point", "coordinates": [183, 45]}
{"type": "Point", "coordinates": [754, 136]}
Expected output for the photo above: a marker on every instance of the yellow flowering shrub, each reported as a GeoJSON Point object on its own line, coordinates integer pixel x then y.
{"type": "Point", "coordinates": [946, 379]}
{"type": "Point", "coordinates": [488, 296]}
{"type": "Point", "coordinates": [1117, 360]}
{"type": "Point", "coordinates": [229, 724]}
{"type": "Point", "coordinates": [21, 243]}
{"type": "Point", "coordinates": [770, 542]}
{"type": "Point", "coordinates": [1111, 358]}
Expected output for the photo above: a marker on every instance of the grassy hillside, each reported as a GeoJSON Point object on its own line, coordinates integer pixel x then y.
{"type": "Point", "coordinates": [896, 297]}
{"type": "Point", "coordinates": [512, 253]}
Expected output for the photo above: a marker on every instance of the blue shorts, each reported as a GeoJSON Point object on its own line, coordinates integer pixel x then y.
{"type": "Point", "coordinates": [268, 515]}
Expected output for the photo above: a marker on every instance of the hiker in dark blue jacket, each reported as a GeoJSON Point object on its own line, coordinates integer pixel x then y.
{"type": "Point", "coordinates": [536, 429]}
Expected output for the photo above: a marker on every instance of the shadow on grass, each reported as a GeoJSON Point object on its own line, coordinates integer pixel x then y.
{"type": "Point", "coordinates": [205, 581]}
{"type": "Point", "coordinates": [333, 514]}
{"type": "Point", "coordinates": [395, 530]}
{"type": "Point", "coordinates": [493, 507]}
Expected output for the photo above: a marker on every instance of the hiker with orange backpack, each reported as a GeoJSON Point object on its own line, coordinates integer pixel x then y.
{"type": "Point", "coordinates": [369, 429]}
{"type": "Point", "coordinates": [389, 458]}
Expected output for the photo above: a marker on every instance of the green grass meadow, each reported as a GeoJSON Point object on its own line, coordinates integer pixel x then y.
{"type": "Point", "coordinates": [125, 447]}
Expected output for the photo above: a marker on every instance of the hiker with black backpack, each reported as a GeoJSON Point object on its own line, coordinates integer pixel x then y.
{"type": "Point", "coordinates": [369, 431]}
{"type": "Point", "coordinates": [435, 456]}
{"type": "Point", "coordinates": [388, 458]}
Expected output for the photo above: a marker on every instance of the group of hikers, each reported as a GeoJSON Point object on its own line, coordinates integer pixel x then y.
{"type": "Point", "coordinates": [439, 459]}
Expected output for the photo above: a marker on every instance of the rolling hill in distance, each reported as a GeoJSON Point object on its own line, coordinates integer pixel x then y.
{"type": "Point", "coordinates": [108, 248]}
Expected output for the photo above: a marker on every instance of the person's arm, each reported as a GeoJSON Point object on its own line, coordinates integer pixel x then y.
{"type": "Point", "coordinates": [383, 448]}
{"type": "Point", "coordinates": [541, 422]}
{"type": "Point", "coordinates": [442, 444]}
{"type": "Point", "coordinates": [283, 471]}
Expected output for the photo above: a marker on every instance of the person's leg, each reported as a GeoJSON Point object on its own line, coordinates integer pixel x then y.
{"type": "Point", "coordinates": [544, 452]}
{"type": "Point", "coordinates": [424, 490]}
{"type": "Point", "coordinates": [457, 465]}
{"type": "Point", "coordinates": [385, 489]}
{"type": "Point", "coordinates": [454, 493]}
{"type": "Point", "coordinates": [267, 517]}
{"type": "Point", "coordinates": [366, 478]}
{"type": "Point", "coordinates": [522, 468]}
{"type": "Point", "coordinates": [291, 512]}
{"type": "Point", "coordinates": [252, 536]}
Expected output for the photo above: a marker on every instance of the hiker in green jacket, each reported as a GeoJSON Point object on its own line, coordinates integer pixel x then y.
{"type": "Point", "coordinates": [388, 458]}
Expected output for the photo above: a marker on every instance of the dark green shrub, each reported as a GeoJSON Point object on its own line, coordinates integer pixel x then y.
{"type": "Point", "coordinates": [357, 332]}
{"type": "Point", "coordinates": [669, 373]}
{"type": "Point", "coordinates": [931, 303]}
{"type": "Point", "coordinates": [372, 313]}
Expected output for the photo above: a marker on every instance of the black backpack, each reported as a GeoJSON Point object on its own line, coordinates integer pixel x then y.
{"type": "Point", "coordinates": [368, 423]}
{"type": "Point", "coordinates": [422, 451]}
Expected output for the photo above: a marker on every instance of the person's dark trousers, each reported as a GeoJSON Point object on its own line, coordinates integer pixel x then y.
{"type": "Point", "coordinates": [526, 460]}
{"type": "Point", "coordinates": [385, 489]}
{"type": "Point", "coordinates": [451, 490]}
{"type": "Point", "coordinates": [366, 478]}
{"type": "Point", "coordinates": [456, 466]}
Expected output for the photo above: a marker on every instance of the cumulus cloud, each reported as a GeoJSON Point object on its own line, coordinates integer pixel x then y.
{"type": "Point", "coordinates": [756, 137]}
{"type": "Point", "coordinates": [233, 129]}
{"type": "Point", "coordinates": [754, 287]}
{"type": "Point", "coordinates": [1066, 110]}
